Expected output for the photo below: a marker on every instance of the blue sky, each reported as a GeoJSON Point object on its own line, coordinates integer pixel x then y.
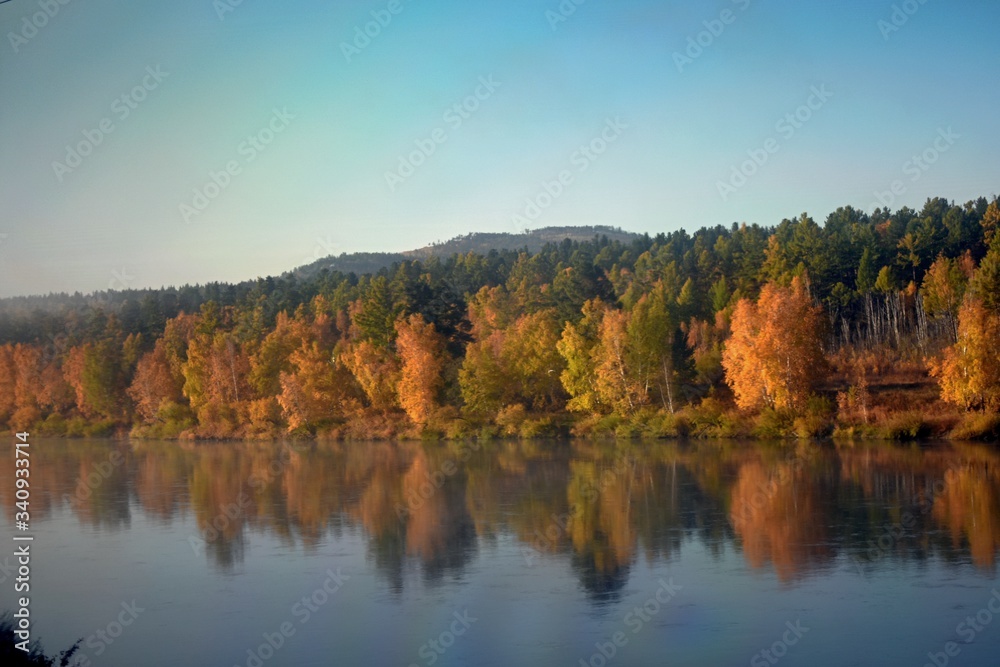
{"type": "Point", "coordinates": [309, 129]}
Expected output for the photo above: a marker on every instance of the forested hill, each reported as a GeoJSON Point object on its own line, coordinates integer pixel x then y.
{"type": "Point", "coordinates": [795, 323]}
{"type": "Point", "coordinates": [478, 242]}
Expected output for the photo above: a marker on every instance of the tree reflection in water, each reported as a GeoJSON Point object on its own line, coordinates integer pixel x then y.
{"type": "Point", "coordinates": [795, 508]}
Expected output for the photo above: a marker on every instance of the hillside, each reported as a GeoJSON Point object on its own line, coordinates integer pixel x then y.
{"type": "Point", "coordinates": [480, 243]}
{"type": "Point", "coordinates": [533, 239]}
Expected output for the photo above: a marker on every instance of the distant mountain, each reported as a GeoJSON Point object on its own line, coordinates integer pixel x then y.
{"type": "Point", "coordinates": [477, 242]}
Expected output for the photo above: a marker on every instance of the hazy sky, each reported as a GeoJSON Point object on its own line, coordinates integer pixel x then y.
{"type": "Point", "coordinates": [115, 115]}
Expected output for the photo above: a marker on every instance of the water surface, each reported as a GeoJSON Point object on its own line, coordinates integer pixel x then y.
{"type": "Point", "coordinates": [529, 553]}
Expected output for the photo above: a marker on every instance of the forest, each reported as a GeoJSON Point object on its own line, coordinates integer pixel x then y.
{"type": "Point", "coordinates": [880, 325]}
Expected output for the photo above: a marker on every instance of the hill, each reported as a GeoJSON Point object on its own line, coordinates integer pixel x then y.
{"type": "Point", "coordinates": [478, 242]}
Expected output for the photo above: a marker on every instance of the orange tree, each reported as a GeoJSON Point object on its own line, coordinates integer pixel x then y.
{"type": "Point", "coordinates": [773, 357]}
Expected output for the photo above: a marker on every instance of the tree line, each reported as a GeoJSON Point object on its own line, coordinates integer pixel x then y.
{"type": "Point", "coordinates": [795, 329]}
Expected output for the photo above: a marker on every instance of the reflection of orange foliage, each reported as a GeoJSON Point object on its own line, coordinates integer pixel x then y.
{"type": "Point", "coordinates": [220, 496]}
{"type": "Point", "coordinates": [779, 517]}
{"type": "Point", "coordinates": [309, 501]}
{"type": "Point", "coordinates": [582, 501]}
{"type": "Point", "coordinates": [158, 484]}
{"type": "Point", "coordinates": [970, 505]}
{"type": "Point", "coordinates": [382, 493]}
{"type": "Point", "coordinates": [429, 517]}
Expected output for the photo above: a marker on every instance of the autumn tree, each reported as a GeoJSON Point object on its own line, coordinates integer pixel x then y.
{"type": "Point", "coordinates": [969, 372]}
{"type": "Point", "coordinates": [316, 391]}
{"type": "Point", "coordinates": [8, 380]}
{"type": "Point", "coordinates": [215, 382]}
{"type": "Point", "coordinates": [155, 384]}
{"type": "Point", "coordinates": [529, 351]}
{"type": "Point", "coordinates": [944, 288]}
{"type": "Point", "coordinates": [271, 358]}
{"type": "Point", "coordinates": [27, 374]}
{"type": "Point", "coordinates": [519, 364]}
{"type": "Point", "coordinates": [54, 394]}
{"type": "Point", "coordinates": [421, 354]}
{"type": "Point", "coordinates": [577, 345]}
{"type": "Point", "coordinates": [617, 384]}
{"type": "Point", "coordinates": [773, 357]}
{"type": "Point", "coordinates": [376, 370]}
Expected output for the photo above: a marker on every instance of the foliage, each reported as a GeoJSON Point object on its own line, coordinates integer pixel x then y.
{"type": "Point", "coordinates": [773, 358]}
{"type": "Point", "coordinates": [639, 336]}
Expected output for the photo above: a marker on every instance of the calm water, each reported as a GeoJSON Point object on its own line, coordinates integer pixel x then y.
{"type": "Point", "coordinates": [513, 553]}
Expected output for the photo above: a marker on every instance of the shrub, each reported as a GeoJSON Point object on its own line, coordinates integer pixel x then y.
{"type": "Point", "coordinates": [977, 426]}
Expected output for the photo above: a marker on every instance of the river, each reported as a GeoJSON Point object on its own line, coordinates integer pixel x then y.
{"type": "Point", "coordinates": [512, 553]}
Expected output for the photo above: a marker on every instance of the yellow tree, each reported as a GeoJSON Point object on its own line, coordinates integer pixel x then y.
{"type": "Point", "coordinates": [271, 358]}
{"type": "Point", "coordinates": [773, 357]}
{"type": "Point", "coordinates": [516, 365]}
{"type": "Point", "coordinates": [529, 351]}
{"type": "Point", "coordinates": [616, 384]}
{"type": "Point", "coordinates": [316, 390]}
{"type": "Point", "coordinates": [969, 372]}
{"type": "Point", "coordinates": [421, 353]}
{"type": "Point", "coordinates": [576, 346]}
{"type": "Point", "coordinates": [215, 382]}
{"type": "Point", "coordinates": [376, 370]}
{"type": "Point", "coordinates": [944, 286]}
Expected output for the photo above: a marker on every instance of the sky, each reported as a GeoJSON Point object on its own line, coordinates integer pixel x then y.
{"type": "Point", "coordinates": [145, 144]}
